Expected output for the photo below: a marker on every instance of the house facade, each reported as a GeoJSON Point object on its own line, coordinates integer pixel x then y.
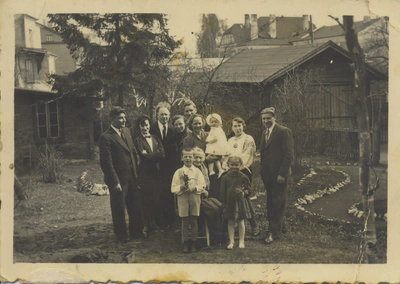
{"type": "Point", "coordinates": [263, 32]}
{"type": "Point", "coordinates": [53, 43]}
{"type": "Point", "coordinates": [41, 115]}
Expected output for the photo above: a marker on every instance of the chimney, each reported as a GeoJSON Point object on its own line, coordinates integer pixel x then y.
{"type": "Point", "coordinates": [253, 27]}
{"type": "Point", "coordinates": [366, 19]}
{"type": "Point", "coordinates": [247, 21]}
{"type": "Point", "coordinates": [272, 25]}
{"type": "Point", "coordinates": [305, 24]}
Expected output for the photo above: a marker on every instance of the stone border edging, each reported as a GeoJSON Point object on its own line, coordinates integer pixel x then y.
{"type": "Point", "coordinates": [353, 210]}
{"type": "Point", "coordinates": [309, 198]}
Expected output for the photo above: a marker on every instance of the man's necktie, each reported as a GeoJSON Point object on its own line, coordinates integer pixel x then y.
{"type": "Point", "coordinates": [123, 136]}
{"type": "Point", "coordinates": [266, 135]}
{"type": "Point", "coordinates": [164, 132]}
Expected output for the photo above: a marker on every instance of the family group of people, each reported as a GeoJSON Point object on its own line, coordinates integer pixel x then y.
{"type": "Point", "coordinates": [147, 169]}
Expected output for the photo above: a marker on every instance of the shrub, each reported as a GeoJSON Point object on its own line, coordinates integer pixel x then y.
{"type": "Point", "coordinates": [50, 163]}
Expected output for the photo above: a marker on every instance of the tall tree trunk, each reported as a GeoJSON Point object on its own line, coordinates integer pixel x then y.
{"type": "Point", "coordinates": [369, 251]}
{"type": "Point", "coordinates": [119, 59]}
{"type": "Point", "coordinates": [376, 133]}
{"type": "Point", "coordinates": [91, 137]}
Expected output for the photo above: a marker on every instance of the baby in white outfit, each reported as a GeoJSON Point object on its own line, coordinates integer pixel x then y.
{"type": "Point", "coordinates": [216, 142]}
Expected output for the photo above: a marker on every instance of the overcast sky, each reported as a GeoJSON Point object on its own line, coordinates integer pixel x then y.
{"type": "Point", "coordinates": [185, 25]}
{"type": "Point", "coordinates": [185, 15]}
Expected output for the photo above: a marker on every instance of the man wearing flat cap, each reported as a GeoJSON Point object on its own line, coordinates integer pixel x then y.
{"type": "Point", "coordinates": [276, 152]}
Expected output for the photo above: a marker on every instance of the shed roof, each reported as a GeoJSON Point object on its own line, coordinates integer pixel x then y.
{"type": "Point", "coordinates": [195, 64]}
{"type": "Point", "coordinates": [269, 41]}
{"type": "Point", "coordinates": [265, 65]}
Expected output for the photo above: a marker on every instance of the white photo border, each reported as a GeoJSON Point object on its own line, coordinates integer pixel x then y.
{"type": "Point", "coordinates": [73, 273]}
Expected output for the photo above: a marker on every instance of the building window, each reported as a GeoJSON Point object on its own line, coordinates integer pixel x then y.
{"type": "Point", "coordinates": [48, 120]}
{"type": "Point", "coordinates": [49, 37]}
{"type": "Point", "coordinates": [30, 75]}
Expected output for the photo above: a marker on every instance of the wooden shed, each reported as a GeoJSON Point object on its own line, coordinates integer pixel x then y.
{"type": "Point", "coordinates": [332, 108]}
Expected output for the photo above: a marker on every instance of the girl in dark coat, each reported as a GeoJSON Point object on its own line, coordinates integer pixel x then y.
{"type": "Point", "coordinates": [235, 188]}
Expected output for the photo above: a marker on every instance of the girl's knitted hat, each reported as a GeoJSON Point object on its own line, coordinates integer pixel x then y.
{"type": "Point", "coordinates": [231, 157]}
{"type": "Point", "coordinates": [214, 115]}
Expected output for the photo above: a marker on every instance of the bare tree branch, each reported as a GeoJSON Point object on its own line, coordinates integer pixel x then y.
{"type": "Point", "coordinates": [213, 72]}
{"type": "Point", "coordinates": [337, 20]}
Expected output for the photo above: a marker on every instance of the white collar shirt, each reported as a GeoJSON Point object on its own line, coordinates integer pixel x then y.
{"type": "Point", "coordinates": [117, 130]}
{"type": "Point", "coordinates": [187, 171]}
{"type": "Point", "coordinates": [149, 141]}
{"type": "Point", "coordinates": [196, 180]}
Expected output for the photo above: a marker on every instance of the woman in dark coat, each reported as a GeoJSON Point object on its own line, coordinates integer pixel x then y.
{"type": "Point", "coordinates": [151, 152]}
{"type": "Point", "coordinates": [181, 131]}
{"type": "Point", "coordinates": [198, 136]}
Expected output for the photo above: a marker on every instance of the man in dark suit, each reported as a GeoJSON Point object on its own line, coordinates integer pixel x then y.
{"type": "Point", "coordinates": [276, 150]}
{"type": "Point", "coordinates": [118, 161]}
{"type": "Point", "coordinates": [165, 132]}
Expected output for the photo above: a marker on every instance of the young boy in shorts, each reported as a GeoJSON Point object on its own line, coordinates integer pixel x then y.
{"type": "Point", "coordinates": [188, 184]}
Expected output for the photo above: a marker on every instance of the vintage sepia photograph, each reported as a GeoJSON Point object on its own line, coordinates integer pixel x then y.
{"type": "Point", "coordinates": [250, 139]}
{"type": "Point", "coordinates": [129, 150]}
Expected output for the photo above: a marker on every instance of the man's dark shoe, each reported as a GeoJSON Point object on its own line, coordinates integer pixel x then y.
{"type": "Point", "coordinates": [136, 236]}
{"type": "Point", "coordinates": [123, 240]}
{"type": "Point", "coordinates": [269, 239]}
{"type": "Point", "coordinates": [193, 247]}
{"type": "Point", "coordinates": [284, 229]}
{"type": "Point", "coordinates": [154, 228]}
{"type": "Point", "coordinates": [185, 247]}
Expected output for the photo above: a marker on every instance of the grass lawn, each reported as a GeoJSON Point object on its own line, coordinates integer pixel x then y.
{"type": "Point", "coordinates": [59, 224]}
